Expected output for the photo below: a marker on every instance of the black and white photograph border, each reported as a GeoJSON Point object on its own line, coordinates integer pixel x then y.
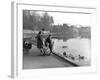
{"type": "Point", "coordinates": [27, 63]}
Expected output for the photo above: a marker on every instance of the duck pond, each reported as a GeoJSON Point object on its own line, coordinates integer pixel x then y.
{"type": "Point", "coordinates": [77, 50]}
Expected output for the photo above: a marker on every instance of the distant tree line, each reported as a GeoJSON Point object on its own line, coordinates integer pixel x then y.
{"type": "Point", "coordinates": [34, 21]}
{"type": "Point", "coordinates": [71, 31]}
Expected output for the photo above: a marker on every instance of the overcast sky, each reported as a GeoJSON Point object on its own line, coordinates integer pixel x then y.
{"type": "Point", "coordinates": [70, 18]}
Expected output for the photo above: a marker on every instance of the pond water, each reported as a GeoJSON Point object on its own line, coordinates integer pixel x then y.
{"type": "Point", "coordinates": [75, 46]}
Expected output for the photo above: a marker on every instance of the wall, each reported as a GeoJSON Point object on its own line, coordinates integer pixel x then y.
{"type": "Point", "coordinates": [5, 34]}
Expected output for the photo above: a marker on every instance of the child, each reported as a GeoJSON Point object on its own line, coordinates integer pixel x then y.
{"type": "Point", "coordinates": [48, 43]}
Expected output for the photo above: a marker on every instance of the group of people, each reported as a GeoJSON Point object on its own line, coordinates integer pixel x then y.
{"type": "Point", "coordinates": [44, 44]}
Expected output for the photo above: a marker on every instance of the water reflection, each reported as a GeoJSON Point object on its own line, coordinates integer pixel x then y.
{"type": "Point", "coordinates": [75, 46]}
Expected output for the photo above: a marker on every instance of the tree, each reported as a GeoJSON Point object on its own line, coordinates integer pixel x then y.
{"type": "Point", "coordinates": [34, 21]}
{"type": "Point", "coordinates": [26, 23]}
{"type": "Point", "coordinates": [46, 21]}
{"type": "Point", "coordinates": [30, 19]}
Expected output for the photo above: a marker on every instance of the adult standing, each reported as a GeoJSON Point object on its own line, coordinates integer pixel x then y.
{"type": "Point", "coordinates": [39, 42]}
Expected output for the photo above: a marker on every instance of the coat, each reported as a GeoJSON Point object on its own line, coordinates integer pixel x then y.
{"type": "Point", "coordinates": [39, 41]}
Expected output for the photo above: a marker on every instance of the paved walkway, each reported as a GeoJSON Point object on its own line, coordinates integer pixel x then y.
{"type": "Point", "coordinates": [35, 61]}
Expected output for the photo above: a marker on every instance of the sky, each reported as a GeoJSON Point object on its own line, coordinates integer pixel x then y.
{"type": "Point", "coordinates": [70, 18]}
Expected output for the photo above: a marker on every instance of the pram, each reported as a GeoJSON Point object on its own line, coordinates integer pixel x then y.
{"type": "Point", "coordinates": [47, 47]}
{"type": "Point", "coordinates": [26, 46]}
{"type": "Point", "coordinates": [46, 50]}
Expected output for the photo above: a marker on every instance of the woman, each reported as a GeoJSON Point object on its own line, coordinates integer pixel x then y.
{"type": "Point", "coordinates": [39, 42]}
